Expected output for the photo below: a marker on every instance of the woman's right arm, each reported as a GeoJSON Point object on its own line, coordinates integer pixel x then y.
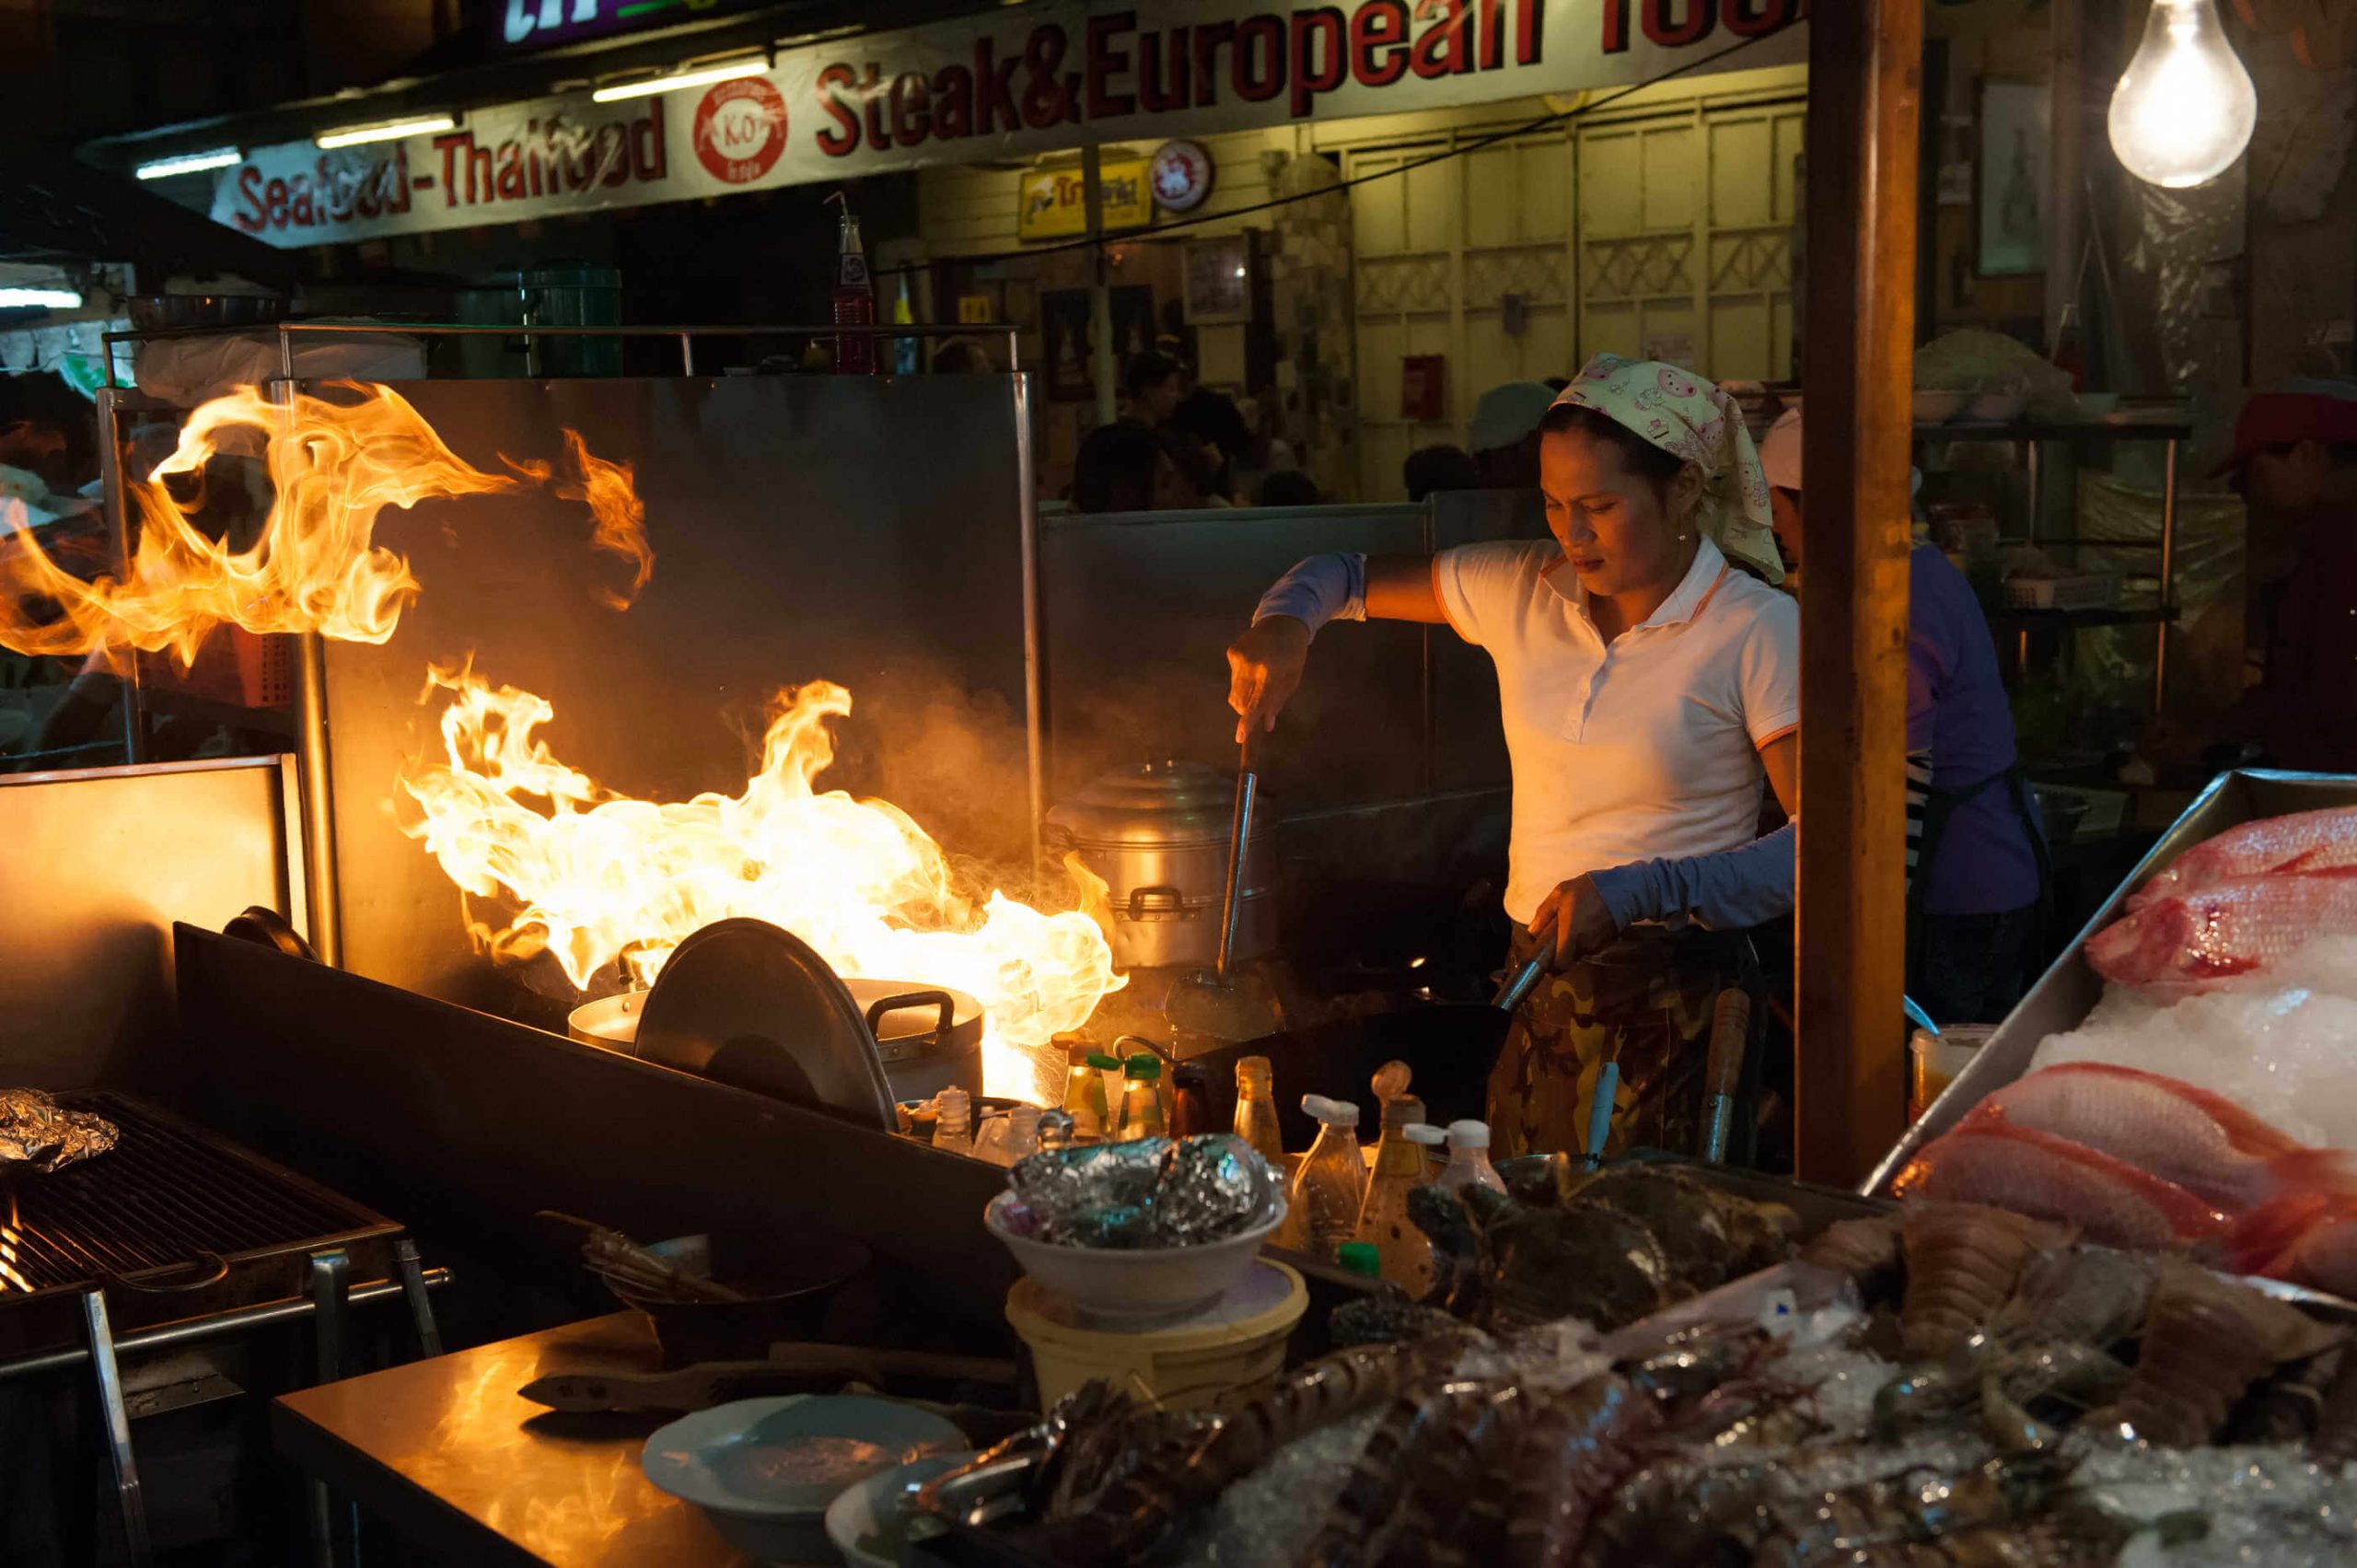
{"type": "Point", "coordinates": [1265, 664]}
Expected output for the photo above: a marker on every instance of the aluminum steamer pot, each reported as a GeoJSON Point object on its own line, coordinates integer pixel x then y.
{"type": "Point", "coordinates": [1157, 833]}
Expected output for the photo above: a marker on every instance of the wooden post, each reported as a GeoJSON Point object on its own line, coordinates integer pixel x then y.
{"type": "Point", "coordinates": [1863, 100]}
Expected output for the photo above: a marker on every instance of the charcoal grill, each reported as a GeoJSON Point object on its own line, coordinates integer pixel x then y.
{"type": "Point", "coordinates": [176, 1236]}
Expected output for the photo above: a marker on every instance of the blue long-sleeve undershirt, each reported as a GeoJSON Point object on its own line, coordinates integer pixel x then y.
{"type": "Point", "coordinates": [1733, 889]}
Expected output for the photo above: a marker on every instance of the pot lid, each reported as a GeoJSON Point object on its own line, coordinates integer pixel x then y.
{"type": "Point", "coordinates": [744, 1003]}
{"type": "Point", "coordinates": [1157, 803]}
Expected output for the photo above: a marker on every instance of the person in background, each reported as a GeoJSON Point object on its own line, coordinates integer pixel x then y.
{"type": "Point", "coordinates": [1289, 487]}
{"type": "Point", "coordinates": [1154, 383]}
{"type": "Point", "coordinates": [1977, 877]}
{"type": "Point", "coordinates": [1503, 437]}
{"type": "Point", "coordinates": [2294, 462]}
{"type": "Point", "coordinates": [958, 357]}
{"type": "Point", "coordinates": [49, 430]}
{"type": "Point", "coordinates": [1438, 468]}
{"type": "Point", "coordinates": [1125, 467]}
{"type": "Point", "coordinates": [1213, 419]}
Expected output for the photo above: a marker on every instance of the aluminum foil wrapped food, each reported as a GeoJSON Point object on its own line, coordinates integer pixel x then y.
{"type": "Point", "coordinates": [38, 1133]}
{"type": "Point", "coordinates": [1146, 1193]}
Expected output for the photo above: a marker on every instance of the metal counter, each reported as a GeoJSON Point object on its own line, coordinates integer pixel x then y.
{"type": "Point", "coordinates": [2065, 994]}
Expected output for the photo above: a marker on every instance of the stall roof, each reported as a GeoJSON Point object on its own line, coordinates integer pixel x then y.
{"type": "Point", "coordinates": [55, 207]}
{"type": "Point", "coordinates": [465, 71]}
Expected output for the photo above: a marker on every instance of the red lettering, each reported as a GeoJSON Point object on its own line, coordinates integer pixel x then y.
{"type": "Point", "coordinates": [614, 158]}
{"type": "Point", "coordinates": [302, 212]}
{"type": "Point", "coordinates": [872, 112]}
{"type": "Point", "coordinates": [275, 193]}
{"type": "Point", "coordinates": [338, 191]}
{"type": "Point", "coordinates": [1489, 33]}
{"type": "Point", "coordinates": [647, 143]}
{"type": "Point", "coordinates": [1048, 98]}
{"type": "Point", "coordinates": [1616, 27]}
{"type": "Point", "coordinates": [532, 144]}
{"type": "Point", "coordinates": [1257, 65]}
{"type": "Point", "coordinates": [953, 102]}
{"type": "Point", "coordinates": [511, 173]}
{"type": "Point", "coordinates": [451, 145]}
{"type": "Point", "coordinates": [1529, 20]}
{"type": "Point", "coordinates": [911, 111]}
{"type": "Point", "coordinates": [1700, 16]}
{"type": "Point", "coordinates": [1208, 39]}
{"type": "Point", "coordinates": [254, 217]}
{"type": "Point", "coordinates": [1105, 63]}
{"type": "Point", "coordinates": [1157, 94]}
{"type": "Point", "coordinates": [1379, 28]}
{"type": "Point", "coordinates": [395, 196]}
{"type": "Point", "coordinates": [831, 83]}
{"type": "Point", "coordinates": [360, 196]}
{"type": "Point", "coordinates": [1443, 47]}
{"type": "Point", "coordinates": [1310, 74]}
{"type": "Point", "coordinates": [1750, 18]}
{"type": "Point", "coordinates": [994, 105]}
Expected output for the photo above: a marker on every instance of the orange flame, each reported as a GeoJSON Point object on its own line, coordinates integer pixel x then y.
{"type": "Point", "coordinates": [316, 566]}
{"type": "Point", "coordinates": [603, 878]}
{"type": "Point", "coordinates": [10, 1276]}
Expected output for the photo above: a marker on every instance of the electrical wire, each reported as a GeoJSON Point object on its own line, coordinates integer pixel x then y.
{"type": "Point", "coordinates": [1459, 149]}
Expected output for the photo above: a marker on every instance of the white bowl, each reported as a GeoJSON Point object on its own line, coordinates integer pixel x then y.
{"type": "Point", "coordinates": [1998, 406]}
{"type": "Point", "coordinates": [1937, 405]}
{"type": "Point", "coordinates": [1135, 1282]}
{"type": "Point", "coordinates": [876, 1511]}
{"type": "Point", "coordinates": [764, 1471]}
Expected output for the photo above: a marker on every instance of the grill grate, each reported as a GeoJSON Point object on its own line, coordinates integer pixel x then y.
{"type": "Point", "coordinates": [165, 1195]}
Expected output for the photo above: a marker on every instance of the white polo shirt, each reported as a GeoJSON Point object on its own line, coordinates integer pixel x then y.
{"type": "Point", "coordinates": [1645, 749]}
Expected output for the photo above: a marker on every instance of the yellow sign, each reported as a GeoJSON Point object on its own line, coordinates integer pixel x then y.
{"type": "Point", "coordinates": [974, 308]}
{"type": "Point", "coordinates": [1055, 206]}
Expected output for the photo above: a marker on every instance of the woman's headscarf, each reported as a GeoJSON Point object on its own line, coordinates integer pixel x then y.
{"type": "Point", "coordinates": [1687, 417]}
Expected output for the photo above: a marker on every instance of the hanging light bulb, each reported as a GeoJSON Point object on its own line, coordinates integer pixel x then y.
{"type": "Point", "coordinates": [2185, 106]}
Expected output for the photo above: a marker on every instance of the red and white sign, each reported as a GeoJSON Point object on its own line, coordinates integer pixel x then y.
{"type": "Point", "coordinates": [740, 129]}
{"type": "Point", "coordinates": [1179, 174]}
{"type": "Point", "coordinates": [1039, 78]}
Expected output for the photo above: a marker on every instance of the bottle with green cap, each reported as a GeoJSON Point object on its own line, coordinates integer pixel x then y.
{"type": "Point", "coordinates": [1142, 1098]}
{"type": "Point", "coordinates": [1084, 1093]}
{"type": "Point", "coordinates": [1360, 1258]}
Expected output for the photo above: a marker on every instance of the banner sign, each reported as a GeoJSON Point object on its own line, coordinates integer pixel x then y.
{"type": "Point", "coordinates": [1054, 202]}
{"type": "Point", "coordinates": [1010, 83]}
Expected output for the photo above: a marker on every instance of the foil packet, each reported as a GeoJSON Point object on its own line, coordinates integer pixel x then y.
{"type": "Point", "coordinates": [1146, 1193]}
{"type": "Point", "coordinates": [36, 1134]}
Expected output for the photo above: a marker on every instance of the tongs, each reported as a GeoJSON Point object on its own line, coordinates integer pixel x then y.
{"type": "Point", "coordinates": [1208, 1002]}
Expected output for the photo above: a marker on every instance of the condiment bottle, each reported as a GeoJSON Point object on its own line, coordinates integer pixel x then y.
{"type": "Point", "coordinates": [1427, 1138]}
{"type": "Point", "coordinates": [1406, 1254]}
{"type": "Point", "coordinates": [1330, 1187]}
{"type": "Point", "coordinates": [1191, 1101]}
{"type": "Point", "coordinates": [1022, 1133]}
{"type": "Point", "coordinates": [1085, 1094]}
{"type": "Point", "coordinates": [1142, 1098]}
{"type": "Point", "coordinates": [1358, 1258]}
{"type": "Point", "coordinates": [855, 298]}
{"type": "Point", "coordinates": [1256, 1110]}
{"type": "Point", "coordinates": [1468, 1157]}
{"type": "Point", "coordinates": [955, 1131]}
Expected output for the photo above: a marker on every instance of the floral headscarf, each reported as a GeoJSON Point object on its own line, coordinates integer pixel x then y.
{"type": "Point", "coordinates": [1687, 417]}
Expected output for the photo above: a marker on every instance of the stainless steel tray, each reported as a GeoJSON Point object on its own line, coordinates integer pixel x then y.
{"type": "Point", "coordinates": [2069, 990]}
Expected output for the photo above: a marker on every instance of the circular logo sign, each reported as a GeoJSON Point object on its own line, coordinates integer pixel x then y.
{"type": "Point", "coordinates": [1180, 176]}
{"type": "Point", "coordinates": [740, 129]}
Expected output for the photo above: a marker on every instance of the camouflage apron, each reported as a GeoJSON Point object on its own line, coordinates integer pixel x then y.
{"type": "Point", "coordinates": [1645, 1002]}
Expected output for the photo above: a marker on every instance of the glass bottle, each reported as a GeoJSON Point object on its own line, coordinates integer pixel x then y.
{"type": "Point", "coordinates": [1022, 1133]}
{"type": "Point", "coordinates": [1191, 1101]}
{"type": "Point", "coordinates": [1142, 1098]}
{"type": "Point", "coordinates": [1468, 1157]}
{"type": "Point", "coordinates": [1256, 1110]}
{"type": "Point", "coordinates": [1085, 1094]}
{"type": "Point", "coordinates": [955, 1131]}
{"type": "Point", "coordinates": [1330, 1187]}
{"type": "Point", "coordinates": [1405, 1252]}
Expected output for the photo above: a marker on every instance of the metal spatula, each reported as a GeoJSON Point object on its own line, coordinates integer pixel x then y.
{"type": "Point", "coordinates": [1209, 1002]}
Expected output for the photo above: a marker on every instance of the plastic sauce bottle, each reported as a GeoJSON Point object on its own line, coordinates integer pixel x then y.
{"type": "Point", "coordinates": [1256, 1110]}
{"type": "Point", "coordinates": [1085, 1094]}
{"type": "Point", "coordinates": [955, 1131]}
{"type": "Point", "coordinates": [1330, 1188]}
{"type": "Point", "coordinates": [1191, 1101]}
{"type": "Point", "coordinates": [1468, 1157]}
{"type": "Point", "coordinates": [1405, 1253]}
{"type": "Point", "coordinates": [1427, 1138]}
{"type": "Point", "coordinates": [1142, 1098]}
{"type": "Point", "coordinates": [855, 298]}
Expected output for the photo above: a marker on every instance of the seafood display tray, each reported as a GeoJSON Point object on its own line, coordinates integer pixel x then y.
{"type": "Point", "coordinates": [2069, 990]}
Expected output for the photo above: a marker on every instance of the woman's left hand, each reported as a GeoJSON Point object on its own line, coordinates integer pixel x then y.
{"type": "Point", "coordinates": [1575, 915]}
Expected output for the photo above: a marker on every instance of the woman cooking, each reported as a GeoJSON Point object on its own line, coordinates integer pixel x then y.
{"type": "Point", "coordinates": [1648, 683]}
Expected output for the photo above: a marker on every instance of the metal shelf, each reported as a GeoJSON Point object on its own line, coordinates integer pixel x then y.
{"type": "Point", "coordinates": [2171, 425]}
{"type": "Point", "coordinates": [2028, 616]}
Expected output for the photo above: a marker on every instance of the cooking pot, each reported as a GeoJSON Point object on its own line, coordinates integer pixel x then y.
{"type": "Point", "coordinates": [928, 1035]}
{"type": "Point", "coordinates": [1157, 833]}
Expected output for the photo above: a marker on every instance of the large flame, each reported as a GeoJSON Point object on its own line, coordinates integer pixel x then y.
{"type": "Point", "coordinates": [601, 877]}
{"type": "Point", "coordinates": [315, 564]}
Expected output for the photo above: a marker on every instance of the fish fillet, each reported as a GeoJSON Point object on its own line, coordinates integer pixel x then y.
{"type": "Point", "coordinates": [2302, 843]}
{"type": "Point", "coordinates": [2039, 1174]}
{"type": "Point", "coordinates": [2203, 1143]}
{"type": "Point", "coordinates": [2190, 940]}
